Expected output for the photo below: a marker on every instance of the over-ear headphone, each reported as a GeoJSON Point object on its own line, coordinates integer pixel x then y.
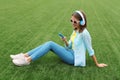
{"type": "Point", "coordinates": [82, 22]}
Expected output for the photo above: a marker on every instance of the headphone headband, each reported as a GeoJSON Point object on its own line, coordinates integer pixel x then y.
{"type": "Point", "coordinates": [83, 19]}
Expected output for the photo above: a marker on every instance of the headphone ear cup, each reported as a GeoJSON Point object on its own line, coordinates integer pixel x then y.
{"type": "Point", "coordinates": [81, 22]}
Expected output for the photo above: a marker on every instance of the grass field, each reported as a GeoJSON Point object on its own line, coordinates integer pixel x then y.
{"type": "Point", "coordinates": [25, 24]}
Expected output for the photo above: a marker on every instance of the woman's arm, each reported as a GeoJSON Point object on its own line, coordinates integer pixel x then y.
{"type": "Point", "coordinates": [65, 41]}
{"type": "Point", "coordinates": [98, 64]}
{"type": "Point", "coordinates": [88, 44]}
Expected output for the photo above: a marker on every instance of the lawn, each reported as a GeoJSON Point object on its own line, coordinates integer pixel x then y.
{"type": "Point", "coordinates": [26, 24]}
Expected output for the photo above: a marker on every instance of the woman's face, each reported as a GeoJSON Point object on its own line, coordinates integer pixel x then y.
{"type": "Point", "coordinates": [75, 22]}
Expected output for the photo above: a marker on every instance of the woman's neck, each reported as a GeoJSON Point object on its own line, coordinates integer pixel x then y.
{"type": "Point", "coordinates": [78, 30]}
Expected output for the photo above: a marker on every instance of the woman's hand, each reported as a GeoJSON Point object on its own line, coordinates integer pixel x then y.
{"type": "Point", "coordinates": [64, 39]}
{"type": "Point", "coordinates": [101, 65]}
{"type": "Point", "coordinates": [98, 64]}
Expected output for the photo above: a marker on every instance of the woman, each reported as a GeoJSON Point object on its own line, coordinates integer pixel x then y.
{"type": "Point", "coordinates": [73, 53]}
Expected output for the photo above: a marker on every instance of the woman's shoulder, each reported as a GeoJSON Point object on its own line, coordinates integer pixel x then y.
{"type": "Point", "coordinates": [85, 31]}
{"type": "Point", "coordinates": [85, 34]}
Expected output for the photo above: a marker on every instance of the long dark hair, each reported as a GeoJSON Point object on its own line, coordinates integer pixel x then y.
{"type": "Point", "coordinates": [77, 16]}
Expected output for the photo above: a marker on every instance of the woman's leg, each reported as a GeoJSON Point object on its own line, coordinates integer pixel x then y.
{"type": "Point", "coordinates": [33, 50]}
{"type": "Point", "coordinates": [64, 54]}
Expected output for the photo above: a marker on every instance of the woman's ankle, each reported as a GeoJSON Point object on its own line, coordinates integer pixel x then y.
{"type": "Point", "coordinates": [29, 59]}
{"type": "Point", "coordinates": [26, 55]}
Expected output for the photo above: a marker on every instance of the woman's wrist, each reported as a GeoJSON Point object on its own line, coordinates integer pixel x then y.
{"type": "Point", "coordinates": [97, 64]}
{"type": "Point", "coordinates": [95, 60]}
{"type": "Point", "coordinates": [66, 43]}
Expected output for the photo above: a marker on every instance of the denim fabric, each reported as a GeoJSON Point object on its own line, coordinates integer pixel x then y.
{"type": "Point", "coordinates": [65, 54]}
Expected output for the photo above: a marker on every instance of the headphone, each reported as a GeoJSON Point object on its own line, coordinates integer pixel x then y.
{"type": "Point", "coordinates": [82, 22]}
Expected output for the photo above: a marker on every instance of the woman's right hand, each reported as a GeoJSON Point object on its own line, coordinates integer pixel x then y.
{"type": "Point", "coordinates": [102, 65]}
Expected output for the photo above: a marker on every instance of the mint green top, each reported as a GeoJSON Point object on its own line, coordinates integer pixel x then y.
{"type": "Point", "coordinates": [80, 42]}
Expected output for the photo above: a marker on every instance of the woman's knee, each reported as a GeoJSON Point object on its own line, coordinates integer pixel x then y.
{"type": "Point", "coordinates": [50, 42]}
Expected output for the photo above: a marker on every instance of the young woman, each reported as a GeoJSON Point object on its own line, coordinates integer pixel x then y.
{"type": "Point", "coordinates": [74, 51]}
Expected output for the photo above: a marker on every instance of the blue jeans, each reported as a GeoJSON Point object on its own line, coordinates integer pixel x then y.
{"type": "Point", "coordinates": [65, 54]}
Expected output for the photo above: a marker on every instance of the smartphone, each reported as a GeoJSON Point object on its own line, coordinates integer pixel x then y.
{"type": "Point", "coordinates": [61, 35]}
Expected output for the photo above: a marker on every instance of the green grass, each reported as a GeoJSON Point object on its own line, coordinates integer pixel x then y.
{"type": "Point", "coordinates": [25, 24]}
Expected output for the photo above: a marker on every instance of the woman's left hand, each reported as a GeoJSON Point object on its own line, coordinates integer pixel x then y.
{"type": "Point", "coordinates": [102, 65]}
